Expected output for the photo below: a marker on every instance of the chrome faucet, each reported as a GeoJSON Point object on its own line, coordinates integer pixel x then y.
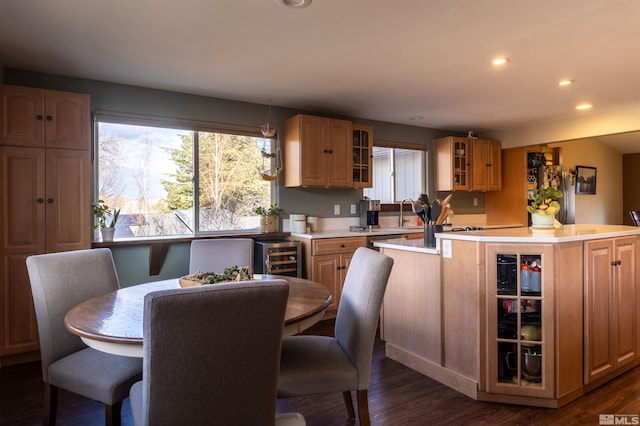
{"type": "Point", "coordinates": [412, 209]}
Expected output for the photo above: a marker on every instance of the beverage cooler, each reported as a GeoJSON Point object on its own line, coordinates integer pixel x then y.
{"type": "Point", "coordinates": [278, 257]}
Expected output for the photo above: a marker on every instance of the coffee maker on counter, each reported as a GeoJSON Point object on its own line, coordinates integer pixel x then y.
{"type": "Point", "coordinates": [369, 214]}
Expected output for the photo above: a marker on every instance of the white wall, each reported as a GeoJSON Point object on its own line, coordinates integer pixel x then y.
{"type": "Point", "coordinates": [605, 207]}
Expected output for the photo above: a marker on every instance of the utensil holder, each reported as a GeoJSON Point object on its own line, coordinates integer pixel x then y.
{"type": "Point", "coordinates": [430, 234]}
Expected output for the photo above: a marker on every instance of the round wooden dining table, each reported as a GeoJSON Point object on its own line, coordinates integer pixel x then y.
{"type": "Point", "coordinates": [113, 322]}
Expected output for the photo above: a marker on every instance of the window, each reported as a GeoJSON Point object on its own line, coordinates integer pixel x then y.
{"type": "Point", "coordinates": [176, 178]}
{"type": "Point", "coordinates": [398, 173]}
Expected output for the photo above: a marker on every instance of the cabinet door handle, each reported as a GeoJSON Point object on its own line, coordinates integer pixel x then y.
{"type": "Point", "coordinates": [49, 118]}
{"type": "Point", "coordinates": [40, 200]}
{"type": "Point", "coordinates": [39, 117]}
{"type": "Point", "coordinates": [616, 263]}
{"type": "Point", "coordinates": [50, 200]}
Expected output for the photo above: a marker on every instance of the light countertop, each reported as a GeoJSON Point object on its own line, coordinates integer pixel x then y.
{"type": "Point", "coordinates": [561, 234]}
{"type": "Point", "coordinates": [527, 235]}
{"type": "Point", "coordinates": [416, 245]}
{"type": "Point", "coordinates": [342, 233]}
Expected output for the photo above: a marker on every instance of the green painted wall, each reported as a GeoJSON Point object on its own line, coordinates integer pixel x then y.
{"type": "Point", "coordinates": [139, 100]}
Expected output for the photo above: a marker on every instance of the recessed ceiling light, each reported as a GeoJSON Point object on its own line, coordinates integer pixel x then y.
{"type": "Point", "coordinates": [500, 61]}
{"type": "Point", "coordinates": [584, 106]}
{"type": "Point", "coordinates": [296, 4]}
{"type": "Point", "coordinates": [565, 82]}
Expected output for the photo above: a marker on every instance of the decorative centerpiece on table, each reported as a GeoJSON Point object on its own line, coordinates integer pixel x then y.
{"type": "Point", "coordinates": [268, 217]}
{"type": "Point", "coordinates": [103, 213]}
{"type": "Point", "coordinates": [230, 274]}
{"type": "Point", "coordinates": [544, 206]}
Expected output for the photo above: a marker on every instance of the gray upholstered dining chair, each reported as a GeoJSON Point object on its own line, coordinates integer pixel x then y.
{"type": "Point", "coordinates": [211, 355]}
{"type": "Point", "coordinates": [214, 255]}
{"type": "Point", "coordinates": [59, 281]}
{"type": "Point", "coordinates": [322, 364]}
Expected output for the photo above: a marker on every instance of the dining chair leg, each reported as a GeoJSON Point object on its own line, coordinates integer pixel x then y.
{"type": "Point", "coordinates": [363, 407]}
{"type": "Point", "coordinates": [112, 414]}
{"type": "Point", "coordinates": [348, 403]}
{"type": "Point", "coordinates": [50, 405]}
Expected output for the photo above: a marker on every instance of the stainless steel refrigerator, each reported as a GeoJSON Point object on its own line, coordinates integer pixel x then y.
{"type": "Point", "coordinates": [545, 169]}
{"type": "Point", "coordinates": [565, 180]}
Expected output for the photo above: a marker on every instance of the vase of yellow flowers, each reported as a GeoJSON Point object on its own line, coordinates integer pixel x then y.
{"type": "Point", "coordinates": [544, 206]}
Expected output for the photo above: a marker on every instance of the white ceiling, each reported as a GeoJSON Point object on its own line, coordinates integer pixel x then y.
{"type": "Point", "coordinates": [374, 59]}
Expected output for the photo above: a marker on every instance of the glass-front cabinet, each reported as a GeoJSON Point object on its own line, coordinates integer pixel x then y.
{"type": "Point", "coordinates": [362, 156]}
{"type": "Point", "coordinates": [461, 164]}
{"type": "Point", "coordinates": [520, 336]}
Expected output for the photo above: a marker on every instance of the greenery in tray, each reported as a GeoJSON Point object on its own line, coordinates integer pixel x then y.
{"type": "Point", "coordinates": [232, 273]}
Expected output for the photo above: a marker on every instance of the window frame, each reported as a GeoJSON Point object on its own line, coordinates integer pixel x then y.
{"type": "Point", "coordinates": [195, 126]}
{"type": "Point", "coordinates": [395, 206]}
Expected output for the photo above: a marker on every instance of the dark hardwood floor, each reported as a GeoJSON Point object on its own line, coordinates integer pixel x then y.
{"type": "Point", "coordinates": [397, 396]}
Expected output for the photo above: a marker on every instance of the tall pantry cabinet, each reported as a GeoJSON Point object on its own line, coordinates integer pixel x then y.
{"type": "Point", "coordinates": [45, 193]}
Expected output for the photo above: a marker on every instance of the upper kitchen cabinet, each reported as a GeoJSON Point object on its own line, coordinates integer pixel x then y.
{"type": "Point", "coordinates": [317, 152]}
{"type": "Point", "coordinates": [44, 118]}
{"type": "Point", "coordinates": [468, 164]}
{"type": "Point", "coordinates": [487, 165]}
{"type": "Point", "coordinates": [362, 156]}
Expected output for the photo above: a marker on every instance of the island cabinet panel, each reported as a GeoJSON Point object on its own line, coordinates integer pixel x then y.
{"type": "Point", "coordinates": [611, 302]}
{"type": "Point", "coordinates": [534, 341]}
{"type": "Point", "coordinates": [411, 311]}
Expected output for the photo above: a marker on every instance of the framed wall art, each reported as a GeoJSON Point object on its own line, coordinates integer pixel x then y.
{"type": "Point", "coordinates": [585, 180]}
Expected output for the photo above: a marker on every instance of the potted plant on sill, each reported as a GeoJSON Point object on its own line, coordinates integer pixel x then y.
{"type": "Point", "coordinates": [268, 217]}
{"type": "Point", "coordinates": [544, 206]}
{"type": "Point", "coordinates": [103, 213]}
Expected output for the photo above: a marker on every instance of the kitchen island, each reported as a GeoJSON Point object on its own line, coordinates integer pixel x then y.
{"type": "Point", "coordinates": [471, 317]}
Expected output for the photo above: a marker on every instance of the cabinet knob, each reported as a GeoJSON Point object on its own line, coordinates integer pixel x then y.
{"type": "Point", "coordinates": [40, 200]}
{"type": "Point", "coordinates": [49, 118]}
{"type": "Point", "coordinates": [616, 263]}
{"type": "Point", "coordinates": [39, 117]}
{"type": "Point", "coordinates": [341, 245]}
{"type": "Point", "coordinates": [50, 200]}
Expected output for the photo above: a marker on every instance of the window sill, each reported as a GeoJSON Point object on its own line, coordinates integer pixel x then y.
{"type": "Point", "coordinates": [160, 245]}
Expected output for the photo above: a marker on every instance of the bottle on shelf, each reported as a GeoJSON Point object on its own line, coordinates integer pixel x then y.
{"type": "Point", "coordinates": [536, 272]}
{"type": "Point", "coordinates": [525, 277]}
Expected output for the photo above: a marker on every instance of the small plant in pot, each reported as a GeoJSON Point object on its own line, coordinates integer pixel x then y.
{"type": "Point", "coordinates": [268, 217]}
{"type": "Point", "coordinates": [106, 218]}
{"type": "Point", "coordinates": [544, 206]}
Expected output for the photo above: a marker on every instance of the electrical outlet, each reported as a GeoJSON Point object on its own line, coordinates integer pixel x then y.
{"type": "Point", "coordinates": [446, 249]}
{"type": "Point", "coordinates": [336, 209]}
{"type": "Point", "coordinates": [475, 202]}
{"type": "Point", "coordinates": [353, 209]}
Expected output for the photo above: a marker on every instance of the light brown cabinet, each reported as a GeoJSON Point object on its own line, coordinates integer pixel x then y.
{"type": "Point", "coordinates": [317, 152]}
{"type": "Point", "coordinates": [487, 165]}
{"type": "Point", "coordinates": [520, 308]}
{"type": "Point", "coordinates": [45, 191]}
{"type": "Point", "coordinates": [466, 164]}
{"type": "Point", "coordinates": [39, 118]}
{"type": "Point", "coordinates": [610, 305]}
{"type": "Point", "coordinates": [362, 147]}
{"type": "Point", "coordinates": [327, 261]}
